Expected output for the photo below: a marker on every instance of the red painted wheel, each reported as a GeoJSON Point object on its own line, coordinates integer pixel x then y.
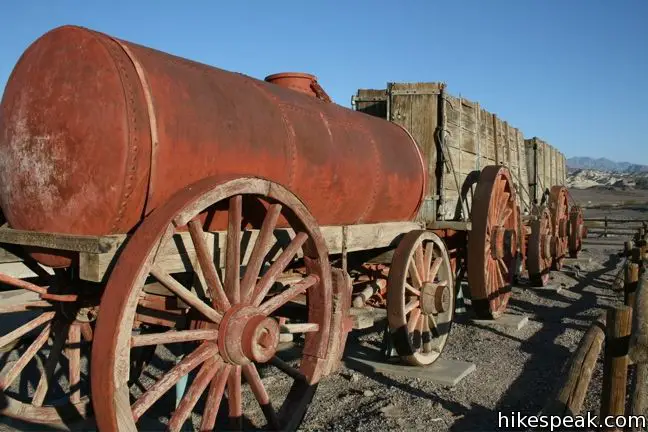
{"type": "Point", "coordinates": [493, 242]}
{"type": "Point", "coordinates": [577, 231]}
{"type": "Point", "coordinates": [539, 247]}
{"type": "Point", "coordinates": [559, 207]}
{"type": "Point", "coordinates": [233, 340]}
{"type": "Point", "coordinates": [420, 297]}
{"type": "Point", "coordinates": [46, 335]}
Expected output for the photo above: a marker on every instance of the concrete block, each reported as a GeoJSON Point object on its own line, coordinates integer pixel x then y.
{"type": "Point", "coordinates": [508, 321]}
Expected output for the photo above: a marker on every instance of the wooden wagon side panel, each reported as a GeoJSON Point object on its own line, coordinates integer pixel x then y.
{"type": "Point", "coordinates": [372, 102]}
{"type": "Point", "coordinates": [546, 158]}
{"type": "Point", "coordinates": [487, 138]}
{"type": "Point", "coordinates": [471, 145]}
{"type": "Point", "coordinates": [502, 142]}
{"type": "Point", "coordinates": [415, 106]}
{"type": "Point", "coordinates": [522, 181]}
{"type": "Point", "coordinates": [531, 171]}
{"type": "Point", "coordinates": [553, 166]}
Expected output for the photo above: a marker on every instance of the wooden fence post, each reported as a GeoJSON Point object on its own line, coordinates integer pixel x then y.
{"type": "Point", "coordinates": [638, 351]}
{"type": "Point", "coordinates": [630, 285]}
{"type": "Point", "coordinates": [615, 369]}
{"type": "Point", "coordinates": [568, 400]}
{"type": "Point", "coordinates": [605, 227]}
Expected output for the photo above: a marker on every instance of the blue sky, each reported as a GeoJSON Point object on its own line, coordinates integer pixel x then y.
{"type": "Point", "coordinates": [574, 72]}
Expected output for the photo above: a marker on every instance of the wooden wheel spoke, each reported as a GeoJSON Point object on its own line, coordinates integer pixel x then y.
{"type": "Point", "coordinates": [426, 335]}
{"type": "Point", "coordinates": [259, 251]}
{"type": "Point", "coordinates": [27, 356]}
{"type": "Point", "coordinates": [277, 268]}
{"type": "Point", "coordinates": [19, 283]}
{"type": "Point", "coordinates": [73, 353]}
{"type": "Point", "coordinates": [413, 320]}
{"type": "Point", "coordinates": [498, 188]}
{"type": "Point", "coordinates": [419, 262]}
{"type": "Point", "coordinates": [505, 215]}
{"type": "Point", "coordinates": [186, 365]}
{"type": "Point", "coordinates": [26, 328]}
{"type": "Point", "coordinates": [503, 267]}
{"type": "Point", "coordinates": [214, 398]}
{"type": "Point", "coordinates": [411, 305]}
{"type": "Point", "coordinates": [413, 290]}
{"type": "Point", "coordinates": [259, 391]}
{"type": "Point", "coordinates": [419, 329]}
{"type": "Point", "coordinates": [287, 369]}
{"type": "Point", "coordinates": [23, 307]}
{"type": "Point", "coordinates": [503, 204]}
{"type": "Point", "coordinates": [173, 336]}
{"type": "Point", "coordinates": [234, 398]}
{"type": "Point", "coordinates": [436, 265]}
{"type": "Point", "coordinates": [189, 400]}
{"type": "Point", "coordinates": [50, 365]}
{"type": "Point", "coordinates": [187, 296]}
{"type": "Point", "coordinates": [207, 267]}
{"type": "Point", "coordinates": [415, 275]}
{"type": "Point", "coordinates": [233, 254]}
{"type": "Point", "coordinates": [427, 261]}
{"type": "Point", "coordinates": [293, 291]}
{"type": "Point", "coordinates": [86, 332]}
{"type": "Point", "coordinates": [435, 328]}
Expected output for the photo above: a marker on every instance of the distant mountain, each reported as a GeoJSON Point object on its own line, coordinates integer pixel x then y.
{"type": "Point", "coordinates": [591, 178]}
{"type": "Point", "coordinates": [603, 164]}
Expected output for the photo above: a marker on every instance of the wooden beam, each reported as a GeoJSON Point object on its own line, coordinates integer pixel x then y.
{"type": "Point", "coordinates": [69, 242]}
{"type": "Point", "coordinates": [179, 254]}
{"type": "Point", "coordinates": [452, 225]}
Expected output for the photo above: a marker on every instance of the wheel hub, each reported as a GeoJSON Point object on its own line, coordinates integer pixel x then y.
{"type": "Point", "coordinates": [247, 335]}
{"type": "Point", "coordinates": [434, 298]}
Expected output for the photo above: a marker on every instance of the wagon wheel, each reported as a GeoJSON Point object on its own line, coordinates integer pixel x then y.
{"type": "Point", "coordinates": [238, 336]}
{"type": "Point", "coordinates": [46, 338]}
{"type": "Point", "coordinates": [539, 247]}
{"type": "Point", "coordinates": [492, 242]}
{"type": "Point", "coordinates": [420, 298]}
{"type": "Point", "coordinates": [576, 231]}
{"type": "Point", "coordinates": [559, 207]}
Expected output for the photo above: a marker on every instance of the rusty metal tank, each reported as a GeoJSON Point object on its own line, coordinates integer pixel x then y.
{"type": "Point", "coordinates": [96, 132]}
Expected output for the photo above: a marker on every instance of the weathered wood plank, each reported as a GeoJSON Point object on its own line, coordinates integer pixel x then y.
{"type": "Point", "coordinates": [180, 255]}
{"type": "Point", "coordinates": [79, 243]}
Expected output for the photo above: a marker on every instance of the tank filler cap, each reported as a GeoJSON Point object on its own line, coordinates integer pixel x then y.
{"type": "Point", "coordinates": [301, 82]}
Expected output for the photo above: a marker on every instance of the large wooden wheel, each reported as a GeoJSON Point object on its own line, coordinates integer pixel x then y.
{"type": "Point", "coordinates": [559, 207]}
{"type": "Point", "coordinates": [232, 337]}
{"type": "Point", "coordinates": [577, 231]}
{"type": "Point", "coordinates": [47, 329]}
{"type": "Point", "coordinates": [493, 242]}
{"type": "Point", "coordinates": [539, 247]}
{"type": "Point", "coordinates": [420, 297]}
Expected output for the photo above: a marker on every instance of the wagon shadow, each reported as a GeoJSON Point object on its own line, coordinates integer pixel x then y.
{"type": "Point", "coordinates": [356, 350]}
{"type": "Point", "coordinates": [541, 374]}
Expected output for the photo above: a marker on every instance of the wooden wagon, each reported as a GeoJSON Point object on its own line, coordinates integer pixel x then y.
{"type": "Point", "coordinates": [248, 210]}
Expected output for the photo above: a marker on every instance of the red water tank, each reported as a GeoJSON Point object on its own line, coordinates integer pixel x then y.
{"type": "Point", "coordinates": [96, 132]}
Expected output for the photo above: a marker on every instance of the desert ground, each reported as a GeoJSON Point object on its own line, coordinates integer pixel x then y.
{"type": "Point", "coordinates": [516, 370]}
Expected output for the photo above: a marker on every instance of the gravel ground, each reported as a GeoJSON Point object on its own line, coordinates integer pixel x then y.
{"type": "Point", "coordinates": [516, 370]}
